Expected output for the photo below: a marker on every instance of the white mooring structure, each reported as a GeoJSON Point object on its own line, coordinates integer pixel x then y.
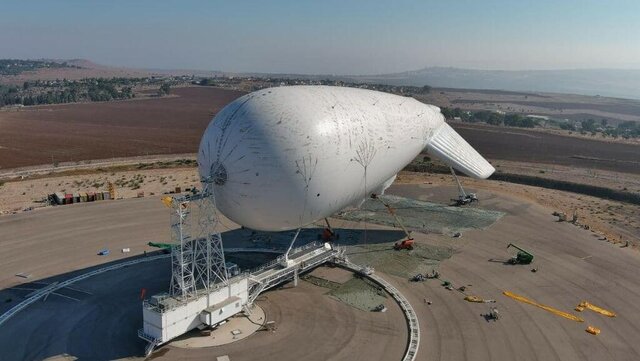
{"type": "Point", "coordinates": [202, 292]}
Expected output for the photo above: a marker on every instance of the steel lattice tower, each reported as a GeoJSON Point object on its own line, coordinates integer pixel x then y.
{"type": "Point", "coordinates": [197, 259]}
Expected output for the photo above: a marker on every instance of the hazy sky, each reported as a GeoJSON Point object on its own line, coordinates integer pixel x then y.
{"type": "Point", "coordinates": [328, 37]}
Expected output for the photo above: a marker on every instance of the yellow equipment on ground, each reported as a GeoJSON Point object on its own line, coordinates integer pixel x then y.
{"type": "Point", "coordinates": [112, 191]}
{"type": "Point", "coordinates": [478, 299]}
{"type": "Point", "coordinates": [544, 307]}
{"type": "Point", "coordinates": [167, 201]}
{"type": "Point", "coordinates": [593, 330]}
{"type": "Point", "coordinates": [594, 308]}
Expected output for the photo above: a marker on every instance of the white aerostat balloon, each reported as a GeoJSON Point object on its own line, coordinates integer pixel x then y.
{"type": "Point", "coordinates": [282, 158]}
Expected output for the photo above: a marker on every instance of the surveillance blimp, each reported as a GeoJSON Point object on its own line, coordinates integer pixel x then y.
{"type": "Point", "coordinates": [282, 158]}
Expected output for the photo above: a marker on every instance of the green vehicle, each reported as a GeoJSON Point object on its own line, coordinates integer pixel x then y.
{"type": "Point", "coordinates": [165, 247]}
{"type": "Point", "coordinates": [523, 257]}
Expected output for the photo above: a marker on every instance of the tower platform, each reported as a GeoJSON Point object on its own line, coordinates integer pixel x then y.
{"type": "Point", "coordinates": [166, 317]}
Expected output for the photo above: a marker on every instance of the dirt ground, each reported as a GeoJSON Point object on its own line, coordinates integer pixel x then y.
{"type": "Point", "coordinates": [627, 182]}
{"type": "Point", "coordinates": [21, 195]}
{"type": "Point", "coordinates": [573, 265]}
{"type": "Point", "coordinates": [617, 221]}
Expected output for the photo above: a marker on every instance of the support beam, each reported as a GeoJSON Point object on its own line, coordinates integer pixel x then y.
{"type": "Point", "coordinates": [286, 255]}
{"type": "Point", "coordinates": [328, 225]}
{"type": "Point", "coordinates": [461, 192]}
{"type": "Point", "coordinates": [395, 216]}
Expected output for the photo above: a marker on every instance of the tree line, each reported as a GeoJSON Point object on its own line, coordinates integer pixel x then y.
{"type": "Point", "coordinates": [627, 129]}
{"type": "Point", "coordinates": [489, 117]}
{"type": "Point", "coordinates": [70, 91]}
{"type": "Point", "coordinates": [17, 66]}
{"type": "Point", "coordinates": [256, 83]}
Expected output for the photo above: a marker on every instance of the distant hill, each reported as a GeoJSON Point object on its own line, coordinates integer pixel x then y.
{"type": "Point", "coordinates": [70, 69]}
{"type": "Point", "coordinates": [604, 82]}
{"type": "Point", "coordinates": [19, 66]}
{"type": "Point", "coordinates": [616, 83]}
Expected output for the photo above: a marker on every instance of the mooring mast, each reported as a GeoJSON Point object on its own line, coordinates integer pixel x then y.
{"type": "Point", "coordinates": [197, 259]}
{"type": "Point", "coordinates": [201, 291]}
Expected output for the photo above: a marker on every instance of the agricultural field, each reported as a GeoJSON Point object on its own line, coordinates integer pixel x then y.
{"type": "Point", "coordinates": [553, 105]}
{"type": "Point", "coordinates": [75, 132]}
{"type": "Point", "coordinates": [526, 146]}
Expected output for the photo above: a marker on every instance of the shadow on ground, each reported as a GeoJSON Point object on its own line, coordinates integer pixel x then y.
{"type": "Point", "coordinates": [98, 318]}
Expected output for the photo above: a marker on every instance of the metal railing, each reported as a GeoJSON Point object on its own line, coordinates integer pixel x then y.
{"type": "Point", "coordinates": [278, 260]}
{"type": "Point", "coordinates": [152, 341]}
{"type": "Point", "coordinates": [56, 286]}
{"type": "Point", "coordinates": [262, 284]}
{"type": "Point", "coordinates": [244, 274]}
{"type": "Point", "coordinates": [412, 319]}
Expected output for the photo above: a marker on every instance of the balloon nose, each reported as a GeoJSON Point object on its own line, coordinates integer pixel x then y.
{"type": "Point", "coordinates": [218, 174]}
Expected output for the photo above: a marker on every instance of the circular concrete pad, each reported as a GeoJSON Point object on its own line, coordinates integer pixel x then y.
{"type": "Point", "coordinates": [235, 329]}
